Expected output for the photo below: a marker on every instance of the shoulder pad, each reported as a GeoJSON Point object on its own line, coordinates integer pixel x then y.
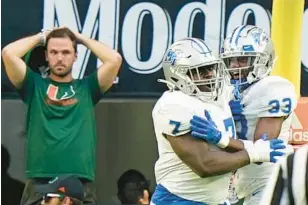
{"type": "Point", "coordinates": [172, 116]}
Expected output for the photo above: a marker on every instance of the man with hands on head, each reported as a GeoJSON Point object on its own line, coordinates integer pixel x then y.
{"type": "Point", "coordinates": [61, 129]}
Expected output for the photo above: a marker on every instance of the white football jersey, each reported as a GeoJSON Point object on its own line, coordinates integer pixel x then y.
{"type": "Point", "coordinates": [171, 116]}
{"type": "Point", "coordinates": [272, 96]}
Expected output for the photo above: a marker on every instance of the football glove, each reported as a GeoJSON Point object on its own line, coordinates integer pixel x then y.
{"type": "Point", "coordinates": [206, 129]}
{"type": "Point", "coordinates": [265, 150]}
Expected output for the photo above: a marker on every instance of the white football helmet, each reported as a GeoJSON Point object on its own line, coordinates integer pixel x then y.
{"type": "Point", "coordinates": [190, 66]}
{"type": "Point", "coordinates": [252, 47]}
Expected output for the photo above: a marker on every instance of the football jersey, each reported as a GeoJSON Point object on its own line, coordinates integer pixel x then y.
{"type": "Point", "coordinates": [171, 116]}
{"type": "Point", "coordinates": [272, 96]}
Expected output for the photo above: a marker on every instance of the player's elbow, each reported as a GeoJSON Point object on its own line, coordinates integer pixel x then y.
{"type": "Point", "coordinates": [207, 173]}
{"type": "Point", "coordinates": [201, 174]}
{"type": "Point", "coordinates": [204, 171]}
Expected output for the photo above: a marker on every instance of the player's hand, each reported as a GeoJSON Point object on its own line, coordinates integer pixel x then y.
{"type": "Point", "coordinates": [265, 150]}
{"type": "Point", "coordinates": [206, 129]}
{"type": "Point", "coordinates": [236, 109]}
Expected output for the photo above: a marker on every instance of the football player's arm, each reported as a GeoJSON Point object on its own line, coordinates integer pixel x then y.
{"type": "Point", "coordinates": [261, 151]}
{"type": "Point", "coordinates": [269, 125]}
{"type": "Point", "coordinates": [235, 145]}
{"type": "Point", "coordinates": [111, 59]}
{"type": "Point", "coordinates": [12, 55]}
{"type": "Point", "coordinates": [195, 153]}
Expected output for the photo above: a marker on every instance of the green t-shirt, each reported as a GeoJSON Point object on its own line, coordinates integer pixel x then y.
{"type": "Point", "coordinates": [61, 129]}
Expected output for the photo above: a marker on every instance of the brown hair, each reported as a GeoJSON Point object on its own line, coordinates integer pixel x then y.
{"type": "Point", "coordinates": [62, 33]}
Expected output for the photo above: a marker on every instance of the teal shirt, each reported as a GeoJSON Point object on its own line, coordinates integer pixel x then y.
{"type": "Point", "coordinates": [61, 128]}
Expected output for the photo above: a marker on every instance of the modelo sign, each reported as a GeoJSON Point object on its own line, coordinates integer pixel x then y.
{"type": "Point", "coordinates": [149, 27]}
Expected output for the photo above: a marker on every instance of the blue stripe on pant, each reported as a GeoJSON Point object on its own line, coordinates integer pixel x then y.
{"type": "Point", "coordinates": [162, 196]}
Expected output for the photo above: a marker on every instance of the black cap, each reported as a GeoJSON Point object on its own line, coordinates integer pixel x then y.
{"type": "Point", "coordinates": [67, 185]}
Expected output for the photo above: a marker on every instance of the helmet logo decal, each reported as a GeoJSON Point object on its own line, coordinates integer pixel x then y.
{"type": "Point", "coordinates": [256, 37]}
{"type": "Point", "coordinates": [171, 57]}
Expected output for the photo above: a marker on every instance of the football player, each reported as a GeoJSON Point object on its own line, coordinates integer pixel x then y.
{"type": "Point", "coordinates": [261, 103]}
{"type": "Point", "coordinates": [190, 170]}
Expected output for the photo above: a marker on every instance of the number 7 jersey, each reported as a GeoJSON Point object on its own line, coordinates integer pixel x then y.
{"type": "Point", "coordinates": [272, 96]}
{"type": "Point", "coordinates": [171, 116]}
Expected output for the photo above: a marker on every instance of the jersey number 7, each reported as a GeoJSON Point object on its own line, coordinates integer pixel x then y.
{"type": "Point", "coordinates": [229, 124]}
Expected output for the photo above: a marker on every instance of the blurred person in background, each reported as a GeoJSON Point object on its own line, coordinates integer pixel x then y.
{"type": "Point", "coordinates": [11, 191]}
{"type": "Point", "coordinates": [62, 190]}
{"type": "Point", "coordinates": [133, 188]}
{"type": "Point", "coordinates": [61, 129]}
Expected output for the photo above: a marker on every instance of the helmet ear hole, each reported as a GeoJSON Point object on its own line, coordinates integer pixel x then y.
{"type": "Point", "coordinates": [174, 79]}
{"type": "Point", "coordinates": [269, 61]}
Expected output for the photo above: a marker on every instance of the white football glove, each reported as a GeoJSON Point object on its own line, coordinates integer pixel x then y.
{"type": "Point", "coordinates": [265, 150]}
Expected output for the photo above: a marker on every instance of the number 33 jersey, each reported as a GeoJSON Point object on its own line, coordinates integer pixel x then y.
{"type": "Point", "coordinates": [272, 96]}
{"type": "Point", "coordinates": [171, 116]}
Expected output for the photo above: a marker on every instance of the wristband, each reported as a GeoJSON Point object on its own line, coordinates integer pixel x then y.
{"type": "Point", "coordinates": [223, 142]}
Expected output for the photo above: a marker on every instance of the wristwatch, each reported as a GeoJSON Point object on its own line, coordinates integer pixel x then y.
{"type": "Point", "coordinates": [43, 36]}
